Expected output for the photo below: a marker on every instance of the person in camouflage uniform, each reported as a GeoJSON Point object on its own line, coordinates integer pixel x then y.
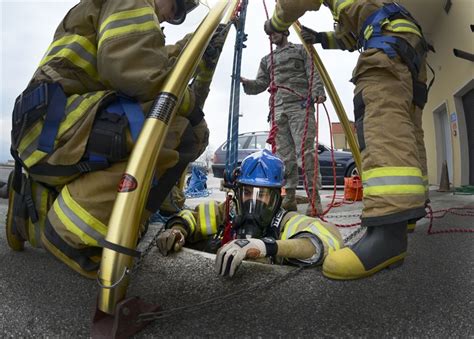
{"type": "Point", "coordinates": [292, 69]}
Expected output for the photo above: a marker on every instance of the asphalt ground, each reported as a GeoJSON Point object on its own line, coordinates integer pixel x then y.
{"type": "Point", "coordinates": [429, 296]}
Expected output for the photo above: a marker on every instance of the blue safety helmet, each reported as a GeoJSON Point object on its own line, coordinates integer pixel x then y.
{"type": "Point", "coordinates": [262, 169]}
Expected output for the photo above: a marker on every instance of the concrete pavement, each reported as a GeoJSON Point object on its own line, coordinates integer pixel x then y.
{"type": "Point", "coordinates": [429, 296]}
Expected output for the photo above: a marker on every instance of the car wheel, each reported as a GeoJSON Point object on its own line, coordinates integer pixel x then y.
{"type": "Point", "coordinates": [352, 171]}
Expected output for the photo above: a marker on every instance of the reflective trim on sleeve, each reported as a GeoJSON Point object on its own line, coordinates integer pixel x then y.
{"type": "Point", "coordinates": [186, 102]}
{"type": "Point", "coordinates": [338, 6]}
{"type": "Point", "coordinates": [126, 22]}
{"type": "Point", "coordinates": [207, 219]}
{"type": "Point", "coordinates": [279, 24]}
{"type": "Point", "coordinates": [393, 181]}
{"type": "Point", "coordinates": [291, 226]}
{"type": "Point", "coordinates": [77, 49]}
{"type": "Point", "coordinates": [76, 107]}
{"type": "Point", "coordinates": [191, 221]}
{"type": "Point", "coordinates": [322, 233]}
{"type": "Point", "coordinates": [77, 220]}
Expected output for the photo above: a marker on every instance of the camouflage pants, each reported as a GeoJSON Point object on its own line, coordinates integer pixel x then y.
{"type": "Point", "coordinates": [291, 120]}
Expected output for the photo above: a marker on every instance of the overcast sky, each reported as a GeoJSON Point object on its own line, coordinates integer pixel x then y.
{"type": "Point", "coordinates": [28, 27]}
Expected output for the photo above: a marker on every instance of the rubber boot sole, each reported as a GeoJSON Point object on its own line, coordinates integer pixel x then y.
{"type": "Point", "coordinates": [391, 263]}
{"type": "Point", "coordinates": [16, 243]}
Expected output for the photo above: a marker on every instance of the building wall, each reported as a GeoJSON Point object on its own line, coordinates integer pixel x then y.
{"type": "Point", "coordinates": [451, 30]}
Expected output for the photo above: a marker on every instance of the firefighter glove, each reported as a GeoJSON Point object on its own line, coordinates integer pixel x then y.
{"type": "Point", "coordinates": [216, 44]}
{"type": "Point", "coordinates": [230, 256]}
{"type": "Point", "coordinates": [170, 240]}
{"type": "Point", "coordinates": [310, 36]}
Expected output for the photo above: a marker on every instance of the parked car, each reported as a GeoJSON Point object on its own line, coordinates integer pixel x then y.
{"type": "Point", "coordinates": [251, 142]}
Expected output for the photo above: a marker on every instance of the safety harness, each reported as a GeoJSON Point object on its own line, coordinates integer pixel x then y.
{"type": "Point", "coordinates": [106, 144]}
{"type": "Point", "coordinates": [398, 19]}
{"type": "Point", "coordinates": [107, 141]}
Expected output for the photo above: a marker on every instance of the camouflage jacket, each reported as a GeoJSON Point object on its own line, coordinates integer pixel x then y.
{"type": "Point", "coordinates": [292, 67]}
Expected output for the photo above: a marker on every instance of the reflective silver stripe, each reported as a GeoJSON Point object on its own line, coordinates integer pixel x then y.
{"type": "Point", "coordinates": [291, 226]}
{"type": "Point", "coordinates": [78, 49]}
{"type": "Point", "coordinates": [318, 232]}
{"type": "Point", "coordinates": [78, 222]}
{"type": "Point", "coordinates": [125, 22]}
{"type": "Point", "coordinates": [207, 214]}
{"type": "Point", "coordinates": [393, 180]}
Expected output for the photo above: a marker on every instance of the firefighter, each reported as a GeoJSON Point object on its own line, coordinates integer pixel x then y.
{"type": "Point", "coordinates": [261, 226]}
{"type": "Point", "coordinates": [76, 123]}
{"type": "Point", "coordinates": [292, 69]}
{"type": "Point", "coordinates": [390, 91]}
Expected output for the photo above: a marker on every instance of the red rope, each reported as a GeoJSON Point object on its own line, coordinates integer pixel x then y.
{"type": "Point", "coordinates": [272, 89]}
{"type": "Point", "coordinates": [454, 210]}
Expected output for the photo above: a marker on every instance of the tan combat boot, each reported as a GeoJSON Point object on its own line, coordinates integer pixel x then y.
{"type": "Point", "coordinates": [289, 202]}
{"type": "Point", "coordinates": [317, 205]}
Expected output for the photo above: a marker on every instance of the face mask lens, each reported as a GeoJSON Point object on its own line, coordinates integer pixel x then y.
{"type": "Point", "coordinates": [260, 202]}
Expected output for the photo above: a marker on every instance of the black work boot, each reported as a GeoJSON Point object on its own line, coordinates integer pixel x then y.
{"type": "Point", "coordinates": [381, 247]}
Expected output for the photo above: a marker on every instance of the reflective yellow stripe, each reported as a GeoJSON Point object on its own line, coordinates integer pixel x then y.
{"type": "Point", "coordinates": [204, 74]}
{"type": "Point", "coordinates": [212, 216]}
{"type": "Point", "coordinates": [394, 189]}
{"type": "Point", "coordinates": [126, 22]}
{"type": "Point", "coordinates": [126, 15]}
{"type": "Point", "coordinates": [339, 6]}
{"type": "Point", "coordinates": [147, 26]}
{"type": "Point", "coordinates": [189, 217]}
{"type": "Point", "coordinates": [185, 103]}
{"type": "Point", "coordinates": [398, 26]}
{"type": "Point", "coordinates": [88, 220]}
{"type": "Point", "coordinates": [403, 26]}
{"type": "Point", "coordinates": [75, 59]}
{"type": "Point", "coordinates": [71, 118]}
{"type": "Point", "coordinates": [30, 136]}
{"type": "Point", "coordinates": [279, 24]}
{"type": "Point", "coordinates": [332, 241]}
{"type": "Point", "coordinates": [207, 219]}
{"type": "Point", "coordinates": [393, 181]}
{"type": "Point", "coordinates": [69, 39]}
{"type": "Point", "coordinates": [390, 172]}
{"type": "Point", "coordinates": [36, 129]}
{"type": "Point", "coordinates": [77, 49]}
{"type": "Point", "coordinates": [291, 226]}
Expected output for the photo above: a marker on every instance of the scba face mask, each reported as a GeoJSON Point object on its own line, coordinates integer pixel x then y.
{"type": "Point", "coordinates": [257, 207]}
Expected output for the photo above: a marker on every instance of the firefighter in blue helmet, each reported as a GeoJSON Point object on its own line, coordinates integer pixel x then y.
{"type": "Point", "coordinates": [261, 228]}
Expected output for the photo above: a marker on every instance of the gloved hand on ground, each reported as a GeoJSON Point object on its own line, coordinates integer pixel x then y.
{"type": "Point", "coordinates": [230, 256]}
{"type": "Point", "coordinates": [170, 240]}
